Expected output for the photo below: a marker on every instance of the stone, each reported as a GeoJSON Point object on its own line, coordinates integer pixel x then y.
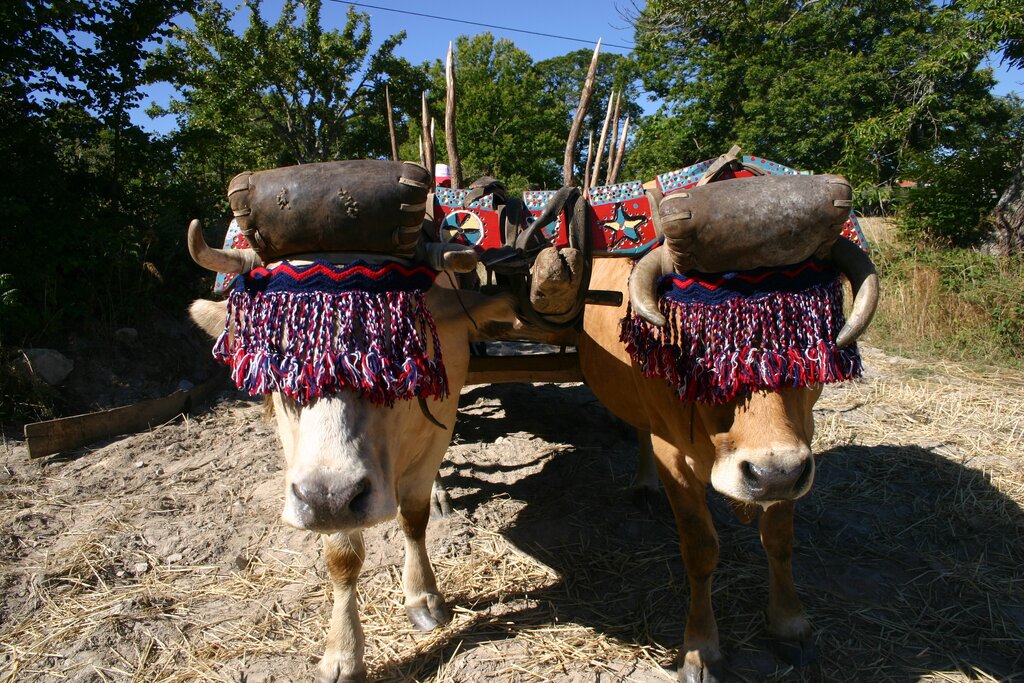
{"type": "Point", "coordinates": [51, 366]}
{"type": "Point", "coordinates": [126, 336]}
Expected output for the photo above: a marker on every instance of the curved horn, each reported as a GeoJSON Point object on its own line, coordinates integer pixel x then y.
{"type": "Point", "coordinates": [219, 260]}
{"type": "Point", "coordinates": [453, 258]}
{"type": "Point", "coordinates": [858, 268]}
{"type": "Point", "coordinates": [643, 285]}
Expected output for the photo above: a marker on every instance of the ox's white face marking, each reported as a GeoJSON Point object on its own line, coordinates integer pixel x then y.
{"type": "Point", "coordinates": [340, 452]}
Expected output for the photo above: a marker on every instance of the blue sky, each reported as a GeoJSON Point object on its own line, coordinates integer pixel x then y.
{"type": "Point", "coordinates": [427, 38]}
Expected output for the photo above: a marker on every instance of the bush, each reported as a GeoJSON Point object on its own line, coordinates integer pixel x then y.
{"type": "Point", "coordinates": [955, 304]}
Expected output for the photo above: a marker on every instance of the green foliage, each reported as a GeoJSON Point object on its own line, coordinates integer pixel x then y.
{"type": "Point", "coordinates": [84, 193]}
{"type": "Point", "coordinates": [514, 114]}
{"type": "Point", "coordinates": [287, 92]}
{"type": "Point", "coordinates": [958, 188]}
{"type": "Point", "coordinates": [564, 77]}
{"type": "Point", "coordinates": [866, 89]}
{"type": "Point", "coordinates": [955, 304]}
{"type": "Point", "coordinates": [507, 124]}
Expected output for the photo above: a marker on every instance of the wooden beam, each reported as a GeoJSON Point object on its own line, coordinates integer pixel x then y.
{"type": "Point", "coordinates": [451, 102]}
{"type": "Point", "coordinates": [613, 143]}
{"type": "Point", "coordinates": [595, 174]}
{"type": "Point", "coordinates": [68, 433]}
{"type": "Point", "coordinates": [428, 136]}
{"type": "Point", "coordinates": [546, 367]}
{"type": "Point", "coordinates": [621, 152]}
{"type": "Point", "coordinates": [391, 124]}
{"type": "Point", "coordinates": [577, 120]}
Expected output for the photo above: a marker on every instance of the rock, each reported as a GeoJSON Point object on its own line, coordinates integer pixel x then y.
{"type": "Point", "coordinates": [126, 336]}
{"type": "Point", "coordinates": [51, 366]}
{"type": "Point", "coordinates": [141, 567]}
{"type": "Point", "coordinates": [176, 557]}
{"type": "Point", "coordinates": [185, 385]}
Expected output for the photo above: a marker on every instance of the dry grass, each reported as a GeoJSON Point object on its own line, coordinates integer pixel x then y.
{"type": "Point", "coordinates": [910, 560]}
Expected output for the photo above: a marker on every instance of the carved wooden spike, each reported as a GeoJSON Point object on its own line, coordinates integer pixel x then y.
{"type": "Point", "coordinates": [614, 177]}
{"type": "Point", "coordinates": [586, 167]}
{"type": "Point", "coordinates": [613, 143]}
{"type": "Point", "coordinates": [454, 163]}
{"type": "Point", "coordinates": [577, 121]}
{"type": "Point", "coordinates": [391, 124]}
{"type": "Point", "coordinates": [595, 173]}
{"type": "Point", "coordinates": [428, 137]}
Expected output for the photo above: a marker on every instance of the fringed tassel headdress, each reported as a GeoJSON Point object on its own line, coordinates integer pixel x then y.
{"type": "Point", "coordinates": [313, 330]}
{"type": "Point", "coordinates": [730, 334]}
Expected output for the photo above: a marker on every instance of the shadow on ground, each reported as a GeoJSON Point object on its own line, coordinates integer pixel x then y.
{"type": "Point", "coordinates": [907, 562]}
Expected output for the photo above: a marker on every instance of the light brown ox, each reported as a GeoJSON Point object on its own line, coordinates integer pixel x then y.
{"type": "Point", "coordinates": [756, 451]}
{"type": "Point", "coordinates": [352, 464]}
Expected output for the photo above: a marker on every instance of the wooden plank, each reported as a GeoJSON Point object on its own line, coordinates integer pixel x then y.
{"type": "Point", "coordinates": [527, 334]}
{"type": "Point", "coordinates": [545, 367]}
{"type": "Point", "coordinates": [68, 433]}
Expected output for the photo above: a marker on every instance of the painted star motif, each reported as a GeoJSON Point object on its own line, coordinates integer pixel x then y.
{"type": "Point", "coordinates": [625, 224]}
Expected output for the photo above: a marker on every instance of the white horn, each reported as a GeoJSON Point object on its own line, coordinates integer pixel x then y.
{"type": "Point", "coordinates": [453, 258]}
{"type": "Point", "coordinates": [856, 265]}
{"type": "Point", "coordinates": [643, 285]}
{"type": "Point", "coordinates": [219, 260]}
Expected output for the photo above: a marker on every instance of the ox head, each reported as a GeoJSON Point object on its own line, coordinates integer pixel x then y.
{"type": "Point", "coordinates": [761, 441]}
{"type": "Point", "coordinates": [762, 445]}
{"type": "Point", "coordinates": [348, 458]}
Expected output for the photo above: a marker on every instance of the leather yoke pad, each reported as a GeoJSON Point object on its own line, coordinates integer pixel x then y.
{"type": "Point", "coordinates": [364, 205]}
{"type": "Point", "coordinates": [747, 223]}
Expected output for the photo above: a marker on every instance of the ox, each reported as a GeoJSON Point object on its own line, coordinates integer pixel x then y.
{"type": "Point", "coordinates": [352, 464]}
{"type": "Point", "coordinates": [756, 451]}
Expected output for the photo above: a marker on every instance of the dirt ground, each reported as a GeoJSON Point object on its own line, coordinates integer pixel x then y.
{"type": "Point", "coordinates": [160, 557]}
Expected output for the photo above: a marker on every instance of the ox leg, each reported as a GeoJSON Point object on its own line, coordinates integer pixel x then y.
{"type": "Point", "coordinates": [645, 484]}
{"type": "Point", "coordinates": [424, 604]}
{"type": "Point", "coordinates": [701, 657]}
{"type": "Point", "coordinates": [343, 658]}
{"type": "Point", "coordinates": [787, 624]}
{"type": "Point", "coordinates": [440, 501]}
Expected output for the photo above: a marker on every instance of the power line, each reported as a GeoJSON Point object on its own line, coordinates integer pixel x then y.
{"type": "Point", "coordinates": [477, 23]}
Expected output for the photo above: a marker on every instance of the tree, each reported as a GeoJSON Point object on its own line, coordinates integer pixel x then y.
{"type": "Point", "coordinates": [287, 92]}
{"type": "Point", "coordinates": [77, 177]}
{"type": "Point", "coordinates": [869, 89]}
{"type": "Point", "coordinates": [1003, 21]}
{"type": "Point", "coordinates": [508, 124]}
{"type": "Point", "coordinates": [564, 76]}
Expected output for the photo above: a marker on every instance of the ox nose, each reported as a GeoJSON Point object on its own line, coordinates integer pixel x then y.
{"type": "Point", "coordinates": [776, 483]}
{"type": "Point", "coordinates": [331, 505]}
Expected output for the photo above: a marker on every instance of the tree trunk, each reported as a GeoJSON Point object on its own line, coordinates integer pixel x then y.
{"type": "Point", "coordinates": [1006, 234]}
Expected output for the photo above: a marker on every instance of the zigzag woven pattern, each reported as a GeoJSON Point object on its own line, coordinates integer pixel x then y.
{"type": "Point", "coordinates": [313, 330]}
{"type": "Point", "coordinates": [731, 334]}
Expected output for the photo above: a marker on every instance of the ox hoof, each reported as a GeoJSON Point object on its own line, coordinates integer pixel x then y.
{"type": "Point", "coordinates": [694, 669]}
{"type": "Point", "coordinates": [645, 497]}
{"type": "Point", "coordinates": [429, 613]}
{"type": "Point", "coordinates": [329, 672]}
{"type": "Point", "coordinates": [797, 653]}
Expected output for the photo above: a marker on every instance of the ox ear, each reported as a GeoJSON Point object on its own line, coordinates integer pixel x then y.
{"type": "Point", "coordinates": [457, 306]}
{"type": "Point", "coordinates": [209, 316]}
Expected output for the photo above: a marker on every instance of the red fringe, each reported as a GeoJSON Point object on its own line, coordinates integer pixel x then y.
{"type": "Point", "coordinates": [716, 353]}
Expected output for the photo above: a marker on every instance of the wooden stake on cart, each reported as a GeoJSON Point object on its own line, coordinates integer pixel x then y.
{"type": "Point", "coordinates": [454, 163]}
{"type": "Point", "coordinates": [577, 121]}
{"type": "Point", "coordinates": [391, 124]}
